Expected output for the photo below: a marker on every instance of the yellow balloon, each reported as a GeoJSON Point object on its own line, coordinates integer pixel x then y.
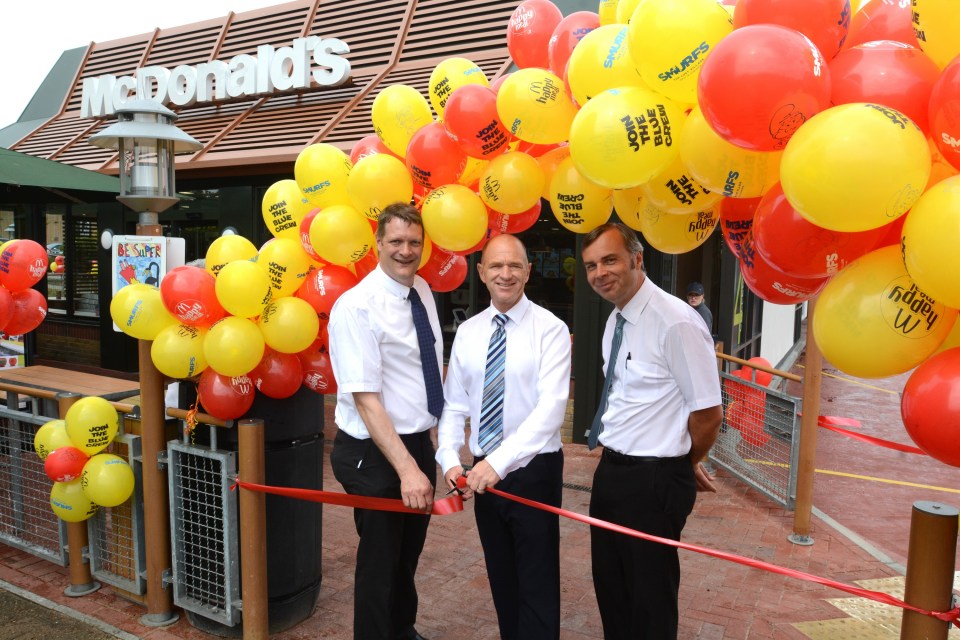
{"type": "Point", "coordinates": [454, 217]}
{"type": "Point", "coordinates": [243, 288]}
{"type": "Point", "coordinates": [178, 351]}
{"type": "Point", "coordinates": [449, 75]}
{"type": "Point", "coordinates": [321, 171]}
{"type": "Point", "coordinates": [952, 340]}
{"type": "Point", "coordinates": [601, 61]}
{"type": "Point", "coordinates": [936, 24]}
{"type": "Point", "coordinates": [630, 206]}
{"type": "Point", "coordinates": [674, 190]}
{"type": "Point", "coordinates": [931, 237]}
{"type": "Point", "coordinates": [52, 435]}
{"type": "Point", "coordinates": [283, 207]}
{"type": "Point", "coordinates": [472, 171]}
{"type": "Point", "coordinates": [512, 183]}
{"type": "Point", "coordinates": [139, 311]}
{"type": "Point", "coordinates": [91, 424]}
{"type": "Point", "coordinates": [69, 502]}
{"type": "Point", "coordinates": [225, 250]}
{"type": "Point", "coordinates": [107, 480]}
{"type": "Point", "coordinates": [289, 325]}
{"type": "Point", "coordinates": [548, 164]}
{"type": "Point", "coordinates": [855, 167]}
{"type": "Point", "coordinates": [623, 137]}
{"type": "Point", "coordinates": [535, 106]}
{"type": "Point", "coordinates": [398, 112]}
{"type": "Point", "coordinates": [670, 40]}
{"type": "Point", "coordinates": [233, 346]}
{"type": "Point", "coordinates": [672, 233]}
{"type": "Point", "coordinates": [625, 9]}
{"type": "Point", "coordinates": [872, 321]}
{"type": "Point", "coordinates": [578, 204]}
{"type": "Point", "coordinates": [286, 263]}
{"type": "Point", "coordinates": [723, 167]}
{"type": "Point", "coordinates": [341, 235]}
{"type": "Point", "coordinates": [607, 11]}
{"type": "Point", "coordinates": [376, 181]}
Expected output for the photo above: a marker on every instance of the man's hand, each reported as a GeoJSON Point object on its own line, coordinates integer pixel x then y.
{"type": "Point", "coordinates": [451, 477]}
{"type": "Point", "coordinates": [482, 476]}
{"type": "Point", "coordinates": [416, 490]}
{"type": "Point", "coordinates": [704, 479]}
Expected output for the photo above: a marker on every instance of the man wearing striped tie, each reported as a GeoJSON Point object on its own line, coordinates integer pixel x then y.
{"type": "Point", "coordinates": [509, 373]}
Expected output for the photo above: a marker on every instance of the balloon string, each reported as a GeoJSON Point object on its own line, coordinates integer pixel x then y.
{"type": "Point", "coordinates": [190, 420]}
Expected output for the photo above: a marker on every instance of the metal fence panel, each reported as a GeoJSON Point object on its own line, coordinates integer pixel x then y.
{"type": "Point", "coordinates": [26, 520]}
{"type": "Point", "coordinates": [203, 522]}
{"type": "Point", "coordinates": [117, 551]}
{"type": "Point", "coordinates": [759, 439]}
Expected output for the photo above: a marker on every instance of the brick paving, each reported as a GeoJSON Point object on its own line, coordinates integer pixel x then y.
{"type": "Point", "coordinates": [718, 599]}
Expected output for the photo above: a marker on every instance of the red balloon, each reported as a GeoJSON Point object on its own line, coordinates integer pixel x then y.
{"type": "Point", "coordinates": [23, 263]}
{"type": "Point", "coordinates": [825, 22]}
{"type": "Point", "coordinates": [736, 220]}
{"type": "Point", "coordinates": [470, 116]}
{"type": "Point", "coordinates": [304, 230]}
{"type": "Point", "coordinates": [190, 296]}
{"type": "Point", "coordinates": [278, 375]}
{"type": "Point", "coordinates": [945, 113]}
{"type": "Point", "coordinates": [515, 222]}
{"type": "Point", "coordinates": [29, 310]}
{"type": "Point", "coordinates": [367, 146]}
{"type": "Point", "coordinates": [892, 233]}
{"type": "Point", "coordinates": [365, 265]}
{"type": "Point", "coordinates": [930, 406]}
{"type": "Point", "coordinates": [6, 307]}
{"type": "Point", "coordinates": [889, 73]}
{"type": "Point", "coordinates": [65, 464]}
{"type": "Point", "coordinates": [322, 287]}
{"type": "Point", "coordinates": [433, 157]}
{"type": "Point", "coordinates": [762, 378]}
{"type": "Point", "coordinates": [225, 397]}
{"type": "Point", "coordinates": [528, 34]}
{"type": "Point", "coordinates": [882, 20]}
{"type": "Point", "coordinates": [760, 83]}
{"type": "Point", "coordinates": [444, 271]}
{"type": "Point", "coordinates": [799, 248]}
{"type": "Point", "coordinates": [496, 84]}
{"type": "Point", "coordinates": [317, 370]}
{"type": "Point", "coordinates": [537, 150]}
{"type": "Point", "coordinates": [566, 35]}
{"type": "Point", "coordinates": [773, 285]}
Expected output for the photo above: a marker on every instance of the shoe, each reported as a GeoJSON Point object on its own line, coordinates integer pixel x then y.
{"type": "Point", "coordinates": [414, 635]}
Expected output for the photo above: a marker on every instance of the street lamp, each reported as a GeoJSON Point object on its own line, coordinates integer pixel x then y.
{"type": "Point", "coordinates": [147, 140]}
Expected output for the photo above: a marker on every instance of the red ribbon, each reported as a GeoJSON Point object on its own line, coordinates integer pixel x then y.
{"type": "Point", "coordinates": [949, 616]}
{"type": "Point", "coordinates": [441, 507]}
{"type": "Point", "coordinates": [896, 446]}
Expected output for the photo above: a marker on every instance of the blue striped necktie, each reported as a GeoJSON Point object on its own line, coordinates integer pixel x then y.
{"type": "Point", "coordinates": [491, 412]}
{"type": "Point", "coordinates": [597, 425]}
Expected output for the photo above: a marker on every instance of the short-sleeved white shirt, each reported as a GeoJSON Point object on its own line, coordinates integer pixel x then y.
{"type": "Point", "coordinates": [373, 347]}
{"type": "Point", "coordinates": [666, 368]}
{"type": "Point", "coordinates": [536, 386]}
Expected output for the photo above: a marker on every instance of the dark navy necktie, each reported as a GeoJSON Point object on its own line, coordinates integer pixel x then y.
{"type": "Point", "coordinates": [428, 354]}
{"type": "Point", "coordinates": [597, 425]}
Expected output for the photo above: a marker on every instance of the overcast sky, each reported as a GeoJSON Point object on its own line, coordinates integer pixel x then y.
{"type": "Point", "coordinates": [33, 34]}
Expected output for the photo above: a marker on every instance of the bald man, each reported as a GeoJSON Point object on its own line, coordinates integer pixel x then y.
{"type": "Point", "coordinates": [509, 373]}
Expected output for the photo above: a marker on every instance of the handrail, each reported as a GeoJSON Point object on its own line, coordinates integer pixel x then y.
{"type": "Point", "coordinates": [746, 363]}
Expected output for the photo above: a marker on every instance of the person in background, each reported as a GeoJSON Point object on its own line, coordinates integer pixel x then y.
{"type": "Point", "coordinates": [509, 373]}
{"type": "Point", "coordinates": [660, 412]}
{"type": "Point", "coordinates": [696, 300]}
{"type": "Point", "coordinates": [389, 396]}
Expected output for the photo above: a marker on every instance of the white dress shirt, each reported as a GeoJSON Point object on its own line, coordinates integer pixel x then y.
{"type": "Point", "coordinates": [536, 386]}
{"type": "Point", "coordinates": [373, 347]}
{"type": "Point", "coordinates": [666, 368]}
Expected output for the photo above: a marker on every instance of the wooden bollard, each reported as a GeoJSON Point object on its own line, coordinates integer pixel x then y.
{"type": "Point", "coordinates": [930, 567]}
{"type": "Point", "coordinates": [253, 532]}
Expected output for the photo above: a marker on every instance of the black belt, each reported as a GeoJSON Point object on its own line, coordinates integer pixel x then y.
{"type": "Point", "coordinates": [621, 458]}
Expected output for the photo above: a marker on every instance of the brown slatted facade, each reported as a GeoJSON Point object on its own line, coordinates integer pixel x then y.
{"type": "Point", "coordinates": [391, 42]}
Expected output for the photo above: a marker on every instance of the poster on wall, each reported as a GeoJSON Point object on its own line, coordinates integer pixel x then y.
{"type": "Point", "coordinates": [11, 352]}
{"type": "Point", "coordinates": [143, 260]}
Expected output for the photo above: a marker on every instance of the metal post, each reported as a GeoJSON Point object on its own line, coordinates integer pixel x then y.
{"type": "Point", "coordinates": [156, 495]}
{"type": "Point", "coordinates": [253, 532]}
{"type": "Point", "coordinates": [81, 580]}
{"type": "Point", "coordinates": [930, 566]}
{"type": "Point", "coordinates": [806, 464]}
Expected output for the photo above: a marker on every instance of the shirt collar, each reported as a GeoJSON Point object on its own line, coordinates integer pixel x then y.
{"type": "Point", "coordinates": [632, 310]}
{"type": "Point", "coordinates": [392, 286]}
{"type": "Point", "coordinates": [515, 313]}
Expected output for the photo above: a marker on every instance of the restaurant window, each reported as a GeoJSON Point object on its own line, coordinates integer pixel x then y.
{"type": "Point", "coordinates": [72, 240]}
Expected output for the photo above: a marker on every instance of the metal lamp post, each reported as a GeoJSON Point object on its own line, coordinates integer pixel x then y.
{"type": "Point", "coordinates": [147, 140]}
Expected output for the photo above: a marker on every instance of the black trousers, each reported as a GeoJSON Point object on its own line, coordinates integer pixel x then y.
{"type": "Point", "coordinates": [385, 594]}
{"type": "Point", "coordinates": [521, 546]}
{"type": "Point", "coordinates": [637, 581]}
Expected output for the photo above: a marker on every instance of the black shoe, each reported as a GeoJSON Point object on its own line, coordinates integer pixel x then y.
{"type": "Point", "coordinates": [414, 635]}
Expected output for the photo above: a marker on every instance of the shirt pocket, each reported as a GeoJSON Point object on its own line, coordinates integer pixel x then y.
{"type": "Point", "coordinates": [643, 382]}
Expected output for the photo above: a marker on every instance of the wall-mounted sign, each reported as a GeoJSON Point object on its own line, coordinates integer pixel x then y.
{"type": "Point", "coordinates": [310, 61]}
{"type": "Point", "coordinates": [143, 260]}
